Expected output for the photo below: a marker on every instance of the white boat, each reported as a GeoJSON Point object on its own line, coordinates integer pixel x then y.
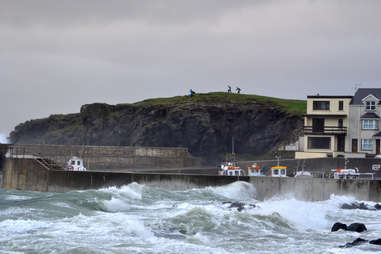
{"type": "Point", "coordinates": [255, 170]}
{"type": "Point", "coordinates": [75, 164]}
{"type": "Point", "coordinates": [230, 169]}
{"type": "Point", "coordinates": [345, 174]}
{"type": "Point", "coordinates": [303, 174]}
{"type": "Point", "coordinates": [279, 171]}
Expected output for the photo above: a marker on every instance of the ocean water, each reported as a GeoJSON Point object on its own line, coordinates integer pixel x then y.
{"type": "Point", "coordinates": [143, 219]}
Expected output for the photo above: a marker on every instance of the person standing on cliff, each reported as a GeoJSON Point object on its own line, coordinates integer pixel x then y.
{"type": "Point", "coordinates": [229, 89]}
{"type": "Point", "coordinates": [238, 90]}
{"type": "Point", "coordinates": [191, 92]}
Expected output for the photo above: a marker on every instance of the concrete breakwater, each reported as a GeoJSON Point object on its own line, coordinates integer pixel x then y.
{"type": "Point", "coordinates": [3, 151]}
{"type": "Point", "coordinates": [28, 174]}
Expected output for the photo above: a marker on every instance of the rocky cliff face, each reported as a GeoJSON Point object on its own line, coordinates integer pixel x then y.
{"type": "Point", "coordinates": [204, 123]}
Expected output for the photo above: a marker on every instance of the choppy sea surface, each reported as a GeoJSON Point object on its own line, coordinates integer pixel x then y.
{"type": "Point", "coordinates": [143, 219]}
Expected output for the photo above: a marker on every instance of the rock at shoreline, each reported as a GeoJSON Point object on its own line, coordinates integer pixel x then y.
{"type": "Point", "coordinates": [361, 206]}
{"type": "Point", "coordinates": [376, 242]}
{"type": "Point", "coordinates": [355, 227]}
{"type": "Point", "coordinates": [356, 242]}
{"type": "Point", "coordinates": [337, 226]}
{"type": "Point", "coordinates": [240, 206]}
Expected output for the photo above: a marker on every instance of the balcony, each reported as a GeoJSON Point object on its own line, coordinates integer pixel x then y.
{"type": "Point", "coordinates": [326, 130]}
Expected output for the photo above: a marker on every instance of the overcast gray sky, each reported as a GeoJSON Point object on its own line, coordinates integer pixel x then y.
{"type": "Point", "coordinates": [57, 55]}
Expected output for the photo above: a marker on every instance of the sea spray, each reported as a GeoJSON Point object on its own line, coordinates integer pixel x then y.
{"type": "Point", "coordinates": [139, 218]}
{"type": "Point", "coordinates": [3, 139]}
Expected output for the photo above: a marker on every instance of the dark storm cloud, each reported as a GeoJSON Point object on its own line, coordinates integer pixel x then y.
{"type": "Point", "coordinates": [57, 55]}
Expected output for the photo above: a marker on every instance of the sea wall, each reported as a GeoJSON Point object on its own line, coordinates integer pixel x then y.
{"type": "Point", "coordinates": [27, 174]}
{"type": "Point", "coordinates": [316, 189]}
{"type": "Point", "coordinates": [111, 157]}
{"type": "Point", "coordinates": [3, 151]}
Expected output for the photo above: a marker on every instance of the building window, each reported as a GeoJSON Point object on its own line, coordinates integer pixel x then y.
{"type": "Point", "coordinates": [340, 123]}
{"type": "Point", "coordinates": [341, 105]}
{"type": "Point", "coordinates": [367, 144]}
{"type": "Point", "coordinates": [319, 143]}
{"type": "Point", "coordinates": [321, 105]}
{"type": "Point", "coordinates": [318, 124]}
{"type": "Point", "coordinates": [370, 105]}
{"type": "Point", "coordinates": [370, 124]}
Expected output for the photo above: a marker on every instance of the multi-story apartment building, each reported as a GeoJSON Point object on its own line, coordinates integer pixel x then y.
{"type": "Point", "coordinates": [325, 126]}
{"type": "Point", "coordinates": [343, 125]}
{"type": "Point", "coordinates": [364, 126]}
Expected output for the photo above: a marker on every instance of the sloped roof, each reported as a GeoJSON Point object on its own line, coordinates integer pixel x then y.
{"type": "Point", "coordinates": [370, 115]}
{"type": "Point", "coordinates": [361, 93]}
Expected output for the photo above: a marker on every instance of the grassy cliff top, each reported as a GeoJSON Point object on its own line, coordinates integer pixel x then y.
{"type": "Point", "coordinates": [295, 107]}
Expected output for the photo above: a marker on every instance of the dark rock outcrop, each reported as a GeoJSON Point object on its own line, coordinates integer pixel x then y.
{"type": "Point", "coordinates": [337, 226]}
{"type": "Point", "coordinates": [361, 206]}
{"type": "Point", "coordinates": [357, 227]}
{"type": "Point", "coordinates": [204, 123]}
{"type": "Point", "coordinates": [355, 205]}
{"type": "Point", "coordinates": [360, 241]}
{"type": "Point", "coordinates": [376, 242]}
{"type": "Point", "coordinates": [356, 242]}
{"type": "Point", "coordinates": [239, 205]}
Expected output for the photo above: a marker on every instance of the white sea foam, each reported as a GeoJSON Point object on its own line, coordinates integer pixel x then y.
{"type": "Point", "coordinates": [21, 225]}
{"type": "Point", "coordinates": [237, 190]}
{"type": "Point", "coordinates": [299, 213]}
{"type": "Point", "coordinates": [131, 191]}
{"type": "Point", "coordinates": [141, 219]}
{"type": "Point", "coordinates": [17, 197]}
{"type": "Point", "coordinates": [16, 210]}
{"type": "Point", "coordinates": [122, 197]}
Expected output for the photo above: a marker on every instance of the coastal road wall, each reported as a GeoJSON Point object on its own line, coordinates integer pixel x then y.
{"type": "Point", "coordinates": [319, 164]}
{"type": "Point", "coordinates": [110, 157]}
{"type": "Point", "coordinates": [27, 174]}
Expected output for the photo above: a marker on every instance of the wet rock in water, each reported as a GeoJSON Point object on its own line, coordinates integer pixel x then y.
{"type": "Point", "coordinates": [356, 242]}
{"type": "Point", "coordinates": [240, 206]}
{"type": "Point", "coordinates": [376, 242]}
{"type": "Point", "coordinates": [337, 226]}
{"type": "Point", "coordinates": [356, 205]}
{"type": "Point", "coordinates": [357, 227]}
{"type": "Point", "coordinates": [361, 206]}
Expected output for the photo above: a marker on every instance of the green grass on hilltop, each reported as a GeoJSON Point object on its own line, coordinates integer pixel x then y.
{"type": "Point", "coordinates": [296, 107]}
